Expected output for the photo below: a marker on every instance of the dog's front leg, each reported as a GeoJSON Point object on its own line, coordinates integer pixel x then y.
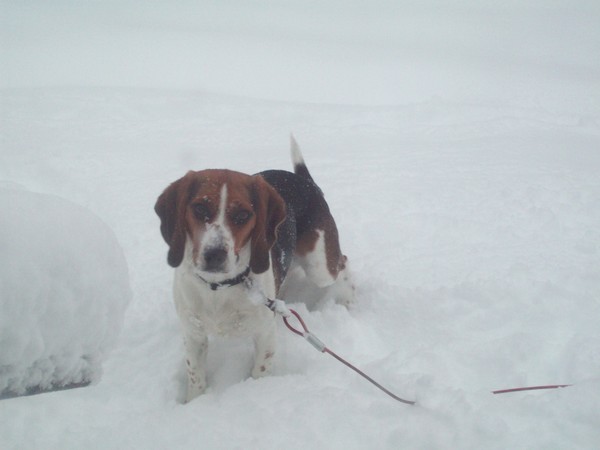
{"type": "Point", "coordinates": [264, 342]}
{"type": "Point", "coordinates": [196, 349]}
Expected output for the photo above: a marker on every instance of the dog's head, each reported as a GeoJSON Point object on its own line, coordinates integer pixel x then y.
{"type": "Point", "coordinates": [221, 221]}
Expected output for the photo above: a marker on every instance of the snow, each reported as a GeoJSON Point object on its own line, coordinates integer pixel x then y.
{"type": "Point", "coordinates": [457, 145]}
{"type": "Point", "coordinates": [64, 289]}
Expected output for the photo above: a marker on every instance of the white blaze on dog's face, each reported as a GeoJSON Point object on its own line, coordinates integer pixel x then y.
{"type": "Point", "coordinates": [220, 225]}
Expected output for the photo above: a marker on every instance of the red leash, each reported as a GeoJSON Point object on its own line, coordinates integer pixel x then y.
{"type": "Point", "coordinates": [319, 345]}
{"type": "Point", "coordinates": [316, 343]}
{"type": "Point", "coordinates": [531, 388]}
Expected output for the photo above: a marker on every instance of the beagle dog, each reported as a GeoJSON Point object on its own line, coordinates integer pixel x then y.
{"type": "Point", "coordinates": [232, 239]}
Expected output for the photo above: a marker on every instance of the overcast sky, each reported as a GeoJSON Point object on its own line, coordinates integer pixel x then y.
{"type": "Point", "coordinates": [371, 52]}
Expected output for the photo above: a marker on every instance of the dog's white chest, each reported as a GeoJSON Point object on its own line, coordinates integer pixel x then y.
{"type": "Point", "coordinates": [222, 316]}
{"type": "Point", "coordinates": [225, 312]}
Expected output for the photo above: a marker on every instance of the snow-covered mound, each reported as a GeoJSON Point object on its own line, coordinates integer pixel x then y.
{"type": "Point", "coordinates": [64, 287]}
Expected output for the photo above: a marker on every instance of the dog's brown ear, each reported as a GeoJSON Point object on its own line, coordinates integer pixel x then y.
{"type": "Point", "coordinates": [270, 212]}
{"type": "Point", "coordinates": [171, 208]}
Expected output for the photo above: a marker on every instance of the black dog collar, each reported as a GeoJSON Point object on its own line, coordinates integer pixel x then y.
{"type": "Point", "coordinates": [229, 282]}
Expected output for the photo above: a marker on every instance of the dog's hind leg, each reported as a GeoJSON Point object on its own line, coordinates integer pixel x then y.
{"type": "Point", "coordinates": [320, 256]}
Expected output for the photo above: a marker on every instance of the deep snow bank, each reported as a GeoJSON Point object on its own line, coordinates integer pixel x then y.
{"type": "Point", "coordinates": [64, 287]}
{"type": "Point", "coordinates": [473, 232]}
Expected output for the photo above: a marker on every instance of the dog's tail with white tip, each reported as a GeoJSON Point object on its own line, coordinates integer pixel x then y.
{"type": "Point", "coordinates": [298, 161]}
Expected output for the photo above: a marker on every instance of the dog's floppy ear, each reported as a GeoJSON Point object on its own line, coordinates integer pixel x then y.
{"type": "Point", "coordinates": [171, 208]}
{"type": "Point", "coordinates": [269, 208]}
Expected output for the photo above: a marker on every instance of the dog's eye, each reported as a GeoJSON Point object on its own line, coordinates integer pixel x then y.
{"type": "Point", "coordinates": [201, 212]}
{"type": "Point", "coordinates": [241, 216]}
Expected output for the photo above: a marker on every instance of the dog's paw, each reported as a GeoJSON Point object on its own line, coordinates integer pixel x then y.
{"type": "Point", "coordinates": [344, 290]}
{"type": "Point", "coordinates": [264, 366]}
{"type": "Point", "coordinates": [195, 387]}
{"type": "Point", "coordinates": [194, 393]}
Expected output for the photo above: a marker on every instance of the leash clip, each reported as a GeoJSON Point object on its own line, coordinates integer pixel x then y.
{"type": "Point", "coordinates": [278, 307]}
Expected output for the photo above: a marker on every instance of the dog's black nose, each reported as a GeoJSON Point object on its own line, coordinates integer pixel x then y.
{"type": "Point", "coordinates": [214, 258]}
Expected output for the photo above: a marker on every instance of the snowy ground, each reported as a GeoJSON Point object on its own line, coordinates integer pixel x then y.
{"type": "Point", "coordinates": [472, 223]}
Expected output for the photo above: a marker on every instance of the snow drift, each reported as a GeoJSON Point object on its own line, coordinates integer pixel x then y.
{"type": "Point", "coordinates": [64, 287]}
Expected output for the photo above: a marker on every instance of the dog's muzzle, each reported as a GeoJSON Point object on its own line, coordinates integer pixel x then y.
{"type": "Point", "coordinates": [215, 259]}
